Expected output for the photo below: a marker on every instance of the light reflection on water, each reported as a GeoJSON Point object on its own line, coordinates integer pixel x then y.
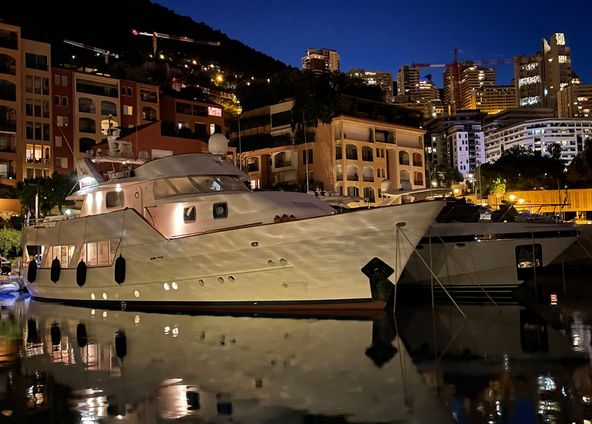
{"type": "Point", "coordinates": [526, 362]}
{"type": "Point", "coordinates": [81, 365]}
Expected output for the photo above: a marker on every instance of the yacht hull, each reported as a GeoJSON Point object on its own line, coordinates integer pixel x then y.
{"type": "Point", "coordinates": [312, 263]}
{"type": "Point", "coordinates": [469, 255]}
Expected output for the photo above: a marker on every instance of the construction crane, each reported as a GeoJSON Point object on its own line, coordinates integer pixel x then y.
{"type": "Point", "coordinates": [105, 53]}
{"type": "Point", "coordinates": [456, 68]}
{"type": "Point", "coordinates": [468, 62]}
{"type": "Point", "coordinates": [156, 35]}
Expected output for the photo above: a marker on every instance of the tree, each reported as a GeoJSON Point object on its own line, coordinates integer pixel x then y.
{"type": "Point", "coordinates": [523, 169]}
{"type": "Point", "coordinates": [498, 188]}
{"type": "Point", "coordinates": [10, 242]}
{"type": "Point", "coordinates": [579, 171]}
{"type": "Point", "coordinates": [51, 192]}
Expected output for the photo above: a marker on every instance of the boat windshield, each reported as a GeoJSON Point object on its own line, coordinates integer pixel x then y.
{"type": "Point", "coordinates": [182, 186]}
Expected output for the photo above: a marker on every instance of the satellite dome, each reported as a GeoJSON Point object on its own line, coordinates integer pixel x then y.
{"type": "Point", "coordinates": [218, 144]}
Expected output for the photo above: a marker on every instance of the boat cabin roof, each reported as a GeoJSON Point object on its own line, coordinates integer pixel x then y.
{"type": "Point", "coordinates": [166, 167]}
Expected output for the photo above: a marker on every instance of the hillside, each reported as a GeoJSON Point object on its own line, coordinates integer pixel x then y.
{"type": "Point", "coordinates": [108, 25]}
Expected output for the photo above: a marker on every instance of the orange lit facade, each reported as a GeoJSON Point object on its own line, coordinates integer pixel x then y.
{"type": "Point", "coordinates": [349, 156]}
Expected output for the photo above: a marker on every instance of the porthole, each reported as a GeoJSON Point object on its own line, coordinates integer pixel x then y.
{"type": "Point", "coordinates": [220, 210]}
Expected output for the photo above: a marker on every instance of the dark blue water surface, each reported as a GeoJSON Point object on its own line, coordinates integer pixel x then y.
{"type": "Point", "coordinates": [524, 361]}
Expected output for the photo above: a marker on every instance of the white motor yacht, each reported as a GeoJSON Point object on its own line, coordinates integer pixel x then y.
{"type": "Point", "coordinates": [497, 255]}
{"type": "Point", "coordinates": [185, 232]}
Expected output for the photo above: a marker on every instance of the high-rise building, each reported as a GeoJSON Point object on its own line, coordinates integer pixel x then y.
{"type": "Point", "coordinates": [321, 60]}
{"type": "Point", "coordinates": [539, 78]}
{"type": "Point", "coordinates": [428, 90]}
{"type": "Point", "coordinates": [382, 79]}
{"type": "Point", "coordinates": [407, 80]}
{"type": "Point", "coordinates": [451, 89]}
{"type": "Point", "coordinates": [529, 80]}
{"type": "Point", "coordinates": [493, 99]}
{"type": "Point", "coordinates": [474, 78]}
{"type": "Point", "coordinates": [575, 101]}
{"type": "Point", "coordinates": [455, 141]}
{"type": "Point", "coordinates": [558, 73]}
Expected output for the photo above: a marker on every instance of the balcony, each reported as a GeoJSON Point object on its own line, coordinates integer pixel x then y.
{"type": "Point", "coordinates": [352, 177]}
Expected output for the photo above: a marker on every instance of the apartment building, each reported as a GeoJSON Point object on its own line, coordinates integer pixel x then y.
{"type": "Point", "coordinates": [25, 112]}
{"type": "Point", "coordinates": [11, 131]}
{"type": "Point", "coordinates": [349, 156]}
{"type": "Point", "coordinates": [571, 134]}
{"type": "Point", "coordinates": [97, 108]}
{"type": "Point", "coordinates": [190, 118]}
{"type": "Point", "coordinates": [407, 80]}
{"type": "Point", "coordinates": [493, 99]}
{"type": "Point", "coordinates": [456, 141]}
{"type": "Point", "coordinates": [382, 79]}
{"type": "Point", "coordinates": [63, 119]}
{"type": "Point", "coordinates": [321, 60]}
{"type": "Point", "coordinates": [474, 78]}
{"type": "Point", "coordinates": [140, 103]}
{"type": "Point", "coordinates": [575, 101]}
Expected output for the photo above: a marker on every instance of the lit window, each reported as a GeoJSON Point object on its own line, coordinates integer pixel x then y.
{"type": "Point", "coordinates": [114, 199]}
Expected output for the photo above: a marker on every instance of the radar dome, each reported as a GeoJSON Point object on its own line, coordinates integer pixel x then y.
{"type": "Point", "coordinates": [218, 144]}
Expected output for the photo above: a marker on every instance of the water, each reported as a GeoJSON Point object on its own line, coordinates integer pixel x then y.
{"type": "Point", "coordinates": [523, 362]}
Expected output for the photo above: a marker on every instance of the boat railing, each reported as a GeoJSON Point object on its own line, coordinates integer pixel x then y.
{"type": "Point", "coordinates": [47, 221]}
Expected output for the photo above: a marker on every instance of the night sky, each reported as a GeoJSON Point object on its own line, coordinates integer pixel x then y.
{"type": "Point", "coordinates": [383, 34]}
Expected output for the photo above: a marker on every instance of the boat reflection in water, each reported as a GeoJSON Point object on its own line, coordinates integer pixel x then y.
{"type": "Point", "coordinates": [142, 367]}
{"type": "Point", "coordinates": [502, 365]}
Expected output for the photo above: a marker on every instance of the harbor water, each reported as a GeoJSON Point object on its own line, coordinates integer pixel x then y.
{"type": "Point", "coordinates": [522, 360]}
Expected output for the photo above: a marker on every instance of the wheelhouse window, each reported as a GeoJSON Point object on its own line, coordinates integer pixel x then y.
{"type": "Point", "coordinates": [183, 186]}
{"type": "Point", "coordinates": [63, 253]}
{"type": "Point", "coordinates": [99, 253]}
{"type": "Point", "coordinates": [114, 199]}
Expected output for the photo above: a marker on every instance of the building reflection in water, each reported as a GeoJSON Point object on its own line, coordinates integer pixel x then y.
{"type": "Point", "coordinates": [139, 367]}
{"type": "Point", "coordinates": [503, 364]}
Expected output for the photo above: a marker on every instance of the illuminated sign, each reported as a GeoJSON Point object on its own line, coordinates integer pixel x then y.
{"type": "Point", "coordinates": [214, 111]}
